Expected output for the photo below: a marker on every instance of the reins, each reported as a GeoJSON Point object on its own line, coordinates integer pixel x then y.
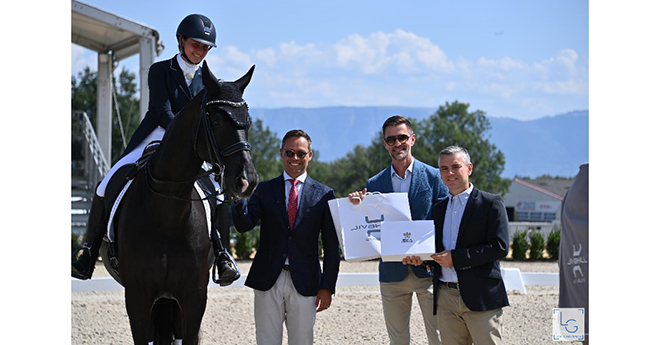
{"type": "Point", "coordinates": [148, 177]}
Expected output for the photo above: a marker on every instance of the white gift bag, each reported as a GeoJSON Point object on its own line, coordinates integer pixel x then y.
{"type": "Point", "coordinates": [401, 239]}
{"type": "Point", "coordinates": [358, 226]}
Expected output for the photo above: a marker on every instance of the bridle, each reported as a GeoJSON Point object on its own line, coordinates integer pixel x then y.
{"type": "Point", "coordinates": [216, 155]}
{"type": "Point", "coordinates": [211, 143]}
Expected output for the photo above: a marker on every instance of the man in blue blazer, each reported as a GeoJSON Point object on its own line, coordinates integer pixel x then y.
{"type": "Point", "coordinates": [289, 285]}
{"type": "Point", "coordinates": [471, 236]}
{"type": "Point", "coordinates": [422, 182]}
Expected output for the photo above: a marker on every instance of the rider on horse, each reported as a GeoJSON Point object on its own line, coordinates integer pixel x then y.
{"type": "Point", "coordinates": [172, 83]}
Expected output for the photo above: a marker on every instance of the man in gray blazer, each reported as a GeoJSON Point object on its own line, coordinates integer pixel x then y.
{"type": "Point", "coordinates": [422, 182]}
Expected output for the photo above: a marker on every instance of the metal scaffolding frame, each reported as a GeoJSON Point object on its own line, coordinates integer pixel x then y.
{"type": "Point", "coordinates": [114, 38]}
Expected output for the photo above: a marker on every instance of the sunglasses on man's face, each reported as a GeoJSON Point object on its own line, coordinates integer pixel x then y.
{"type": "Point", "coordinates": [401, 138]}
{"type": "Point", "coordinates": [291, 153]}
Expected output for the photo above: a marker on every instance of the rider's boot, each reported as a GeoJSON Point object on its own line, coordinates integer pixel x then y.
{"type": "Point", "coordinates": [83, 266]}
{"type": "Point", "coordinates": [225, 269]}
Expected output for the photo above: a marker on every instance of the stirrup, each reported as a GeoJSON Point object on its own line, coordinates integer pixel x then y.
{"type": "Point", "coordinates": [228, 272]}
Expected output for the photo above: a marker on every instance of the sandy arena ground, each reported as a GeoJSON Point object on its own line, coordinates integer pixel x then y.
{"type": "Point", "coordinates": [355, 316]}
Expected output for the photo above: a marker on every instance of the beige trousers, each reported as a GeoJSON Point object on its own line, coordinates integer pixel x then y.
{"type": "Point", "coordinates": [397, 305]}
{"type": "Point", "coordinates": [461, 326]}
{"type": "Point", "coordinates": [280, 305]}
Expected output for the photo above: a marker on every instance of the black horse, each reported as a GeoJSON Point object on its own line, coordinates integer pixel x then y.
{"type": "Point", "coordinates": [162, 237]}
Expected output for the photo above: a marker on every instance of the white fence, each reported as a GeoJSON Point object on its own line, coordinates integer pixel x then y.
{"type": "Point", "coordinates": [513, 280]}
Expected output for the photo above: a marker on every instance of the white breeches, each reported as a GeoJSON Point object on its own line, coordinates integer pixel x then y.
{"type": "Point", "coordinates": [130, 158]}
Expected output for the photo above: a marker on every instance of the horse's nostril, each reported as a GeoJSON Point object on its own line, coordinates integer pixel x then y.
{"type": "Point", "coordinates": [242, 184]}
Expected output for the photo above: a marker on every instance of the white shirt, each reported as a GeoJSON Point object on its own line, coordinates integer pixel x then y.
{"type": "Point", "coordinates": [402, 184]}
{"type": "Point", "coordinates": [453, 217]}
{"type": "Point", "coordinates": [187, 69]}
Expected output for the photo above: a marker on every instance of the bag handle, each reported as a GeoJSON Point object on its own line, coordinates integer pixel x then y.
{"type": "Point", "coordinates": [365, 194]}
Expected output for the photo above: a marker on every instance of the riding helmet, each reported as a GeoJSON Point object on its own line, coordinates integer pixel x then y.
{"type": "Point", "coordinates": [198, 28]}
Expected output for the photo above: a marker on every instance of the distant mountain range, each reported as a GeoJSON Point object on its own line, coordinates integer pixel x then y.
{"type": "Point", "coordinates": [552, 145]}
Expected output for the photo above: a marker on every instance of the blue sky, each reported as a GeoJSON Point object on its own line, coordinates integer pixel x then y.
{"type": "Point", "coordinates": [517, 59]}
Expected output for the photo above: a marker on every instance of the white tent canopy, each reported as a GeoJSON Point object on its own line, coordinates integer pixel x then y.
{"type": "Point", "coordinates": [114, 38]}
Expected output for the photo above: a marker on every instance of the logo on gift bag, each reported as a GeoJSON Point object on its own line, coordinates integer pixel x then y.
{"type": "Point", "coordinates": [568, 324]}
{"type": "Point", "coordinates": [406, 238]}
{"type": "Point", "coordinates": [372, 226]}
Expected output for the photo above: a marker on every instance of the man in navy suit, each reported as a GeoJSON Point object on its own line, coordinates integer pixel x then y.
{"type": "Point", "coordinates": [398, 282]}
{"type": "Point", "coordinates": [289, 285]}
{"type": "Point", "coordinates": [471, 236]}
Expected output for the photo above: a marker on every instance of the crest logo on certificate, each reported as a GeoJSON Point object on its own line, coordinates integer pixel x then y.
{"type": "Point", "coordinates": [407, 238]}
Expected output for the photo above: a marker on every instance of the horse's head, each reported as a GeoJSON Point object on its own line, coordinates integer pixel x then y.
{"type": "Point", "coordinates": [225, 139]}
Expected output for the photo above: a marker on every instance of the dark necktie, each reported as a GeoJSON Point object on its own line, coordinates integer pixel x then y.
{"type": "Point", "coordinates": [293, 202]}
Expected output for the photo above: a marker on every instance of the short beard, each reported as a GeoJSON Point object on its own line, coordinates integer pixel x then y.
{"type": "Point", "coordinates": [406, 153]}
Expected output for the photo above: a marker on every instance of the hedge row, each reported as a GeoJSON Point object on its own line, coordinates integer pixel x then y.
{"type": "Point", "coordinates": [530, 245]}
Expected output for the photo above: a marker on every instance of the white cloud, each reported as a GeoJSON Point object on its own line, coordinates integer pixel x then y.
{"type": "Point", "coordinates": [231, 63]}
{"type": "Point", "coordinates": [564, 63]}
{"type": "Point", "coordinates": [402, 68]}
{"type": "Point", "coordinates": [504, 64]}
{"type": "Point", "coordinates": [402, 52]}
{"type": "Point", "coordinates": [81, 58]}
{"type": "Point", "coordinates": [297, 52]}
{"type": "Point", "coordinates": [267, 56]}
{"type": "Point", "coordinates": [395, 68]}
{"type": "Point", "coordinates": [563, 74]}
{"type": "Point", "coordinates": [509, 77]}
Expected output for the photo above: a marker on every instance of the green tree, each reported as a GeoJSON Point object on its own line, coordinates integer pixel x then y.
{"type": "Point", "coordinates": [83, 92]}
{"type": "Point", "coordinates": [351, 173]}
{"type": "Point", "coordinates": [83, 97]}
{"type": "Point", "coordinates": [265, 151]}
{"type": "Point", "coordinates": [454, 124]}
{"type": "Point", "coordinates": [128, 104]}
{"type": "Point", "coordinates": [451, 124]}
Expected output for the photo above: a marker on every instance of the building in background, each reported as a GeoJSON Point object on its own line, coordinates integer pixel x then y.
{"type": "Point", "coordinates": [535, 204]}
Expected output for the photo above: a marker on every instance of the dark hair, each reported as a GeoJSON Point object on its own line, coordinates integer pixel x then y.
{"type": "Point", "coordinates": [395, 121]}
{"type": "Point", "coordinates": [297, 133]}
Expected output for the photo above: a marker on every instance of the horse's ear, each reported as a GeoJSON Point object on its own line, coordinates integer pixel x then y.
{"type": "Point", "coordinates": [243, 81]}
{"type": "Point", "coordinates": [207, 76]}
